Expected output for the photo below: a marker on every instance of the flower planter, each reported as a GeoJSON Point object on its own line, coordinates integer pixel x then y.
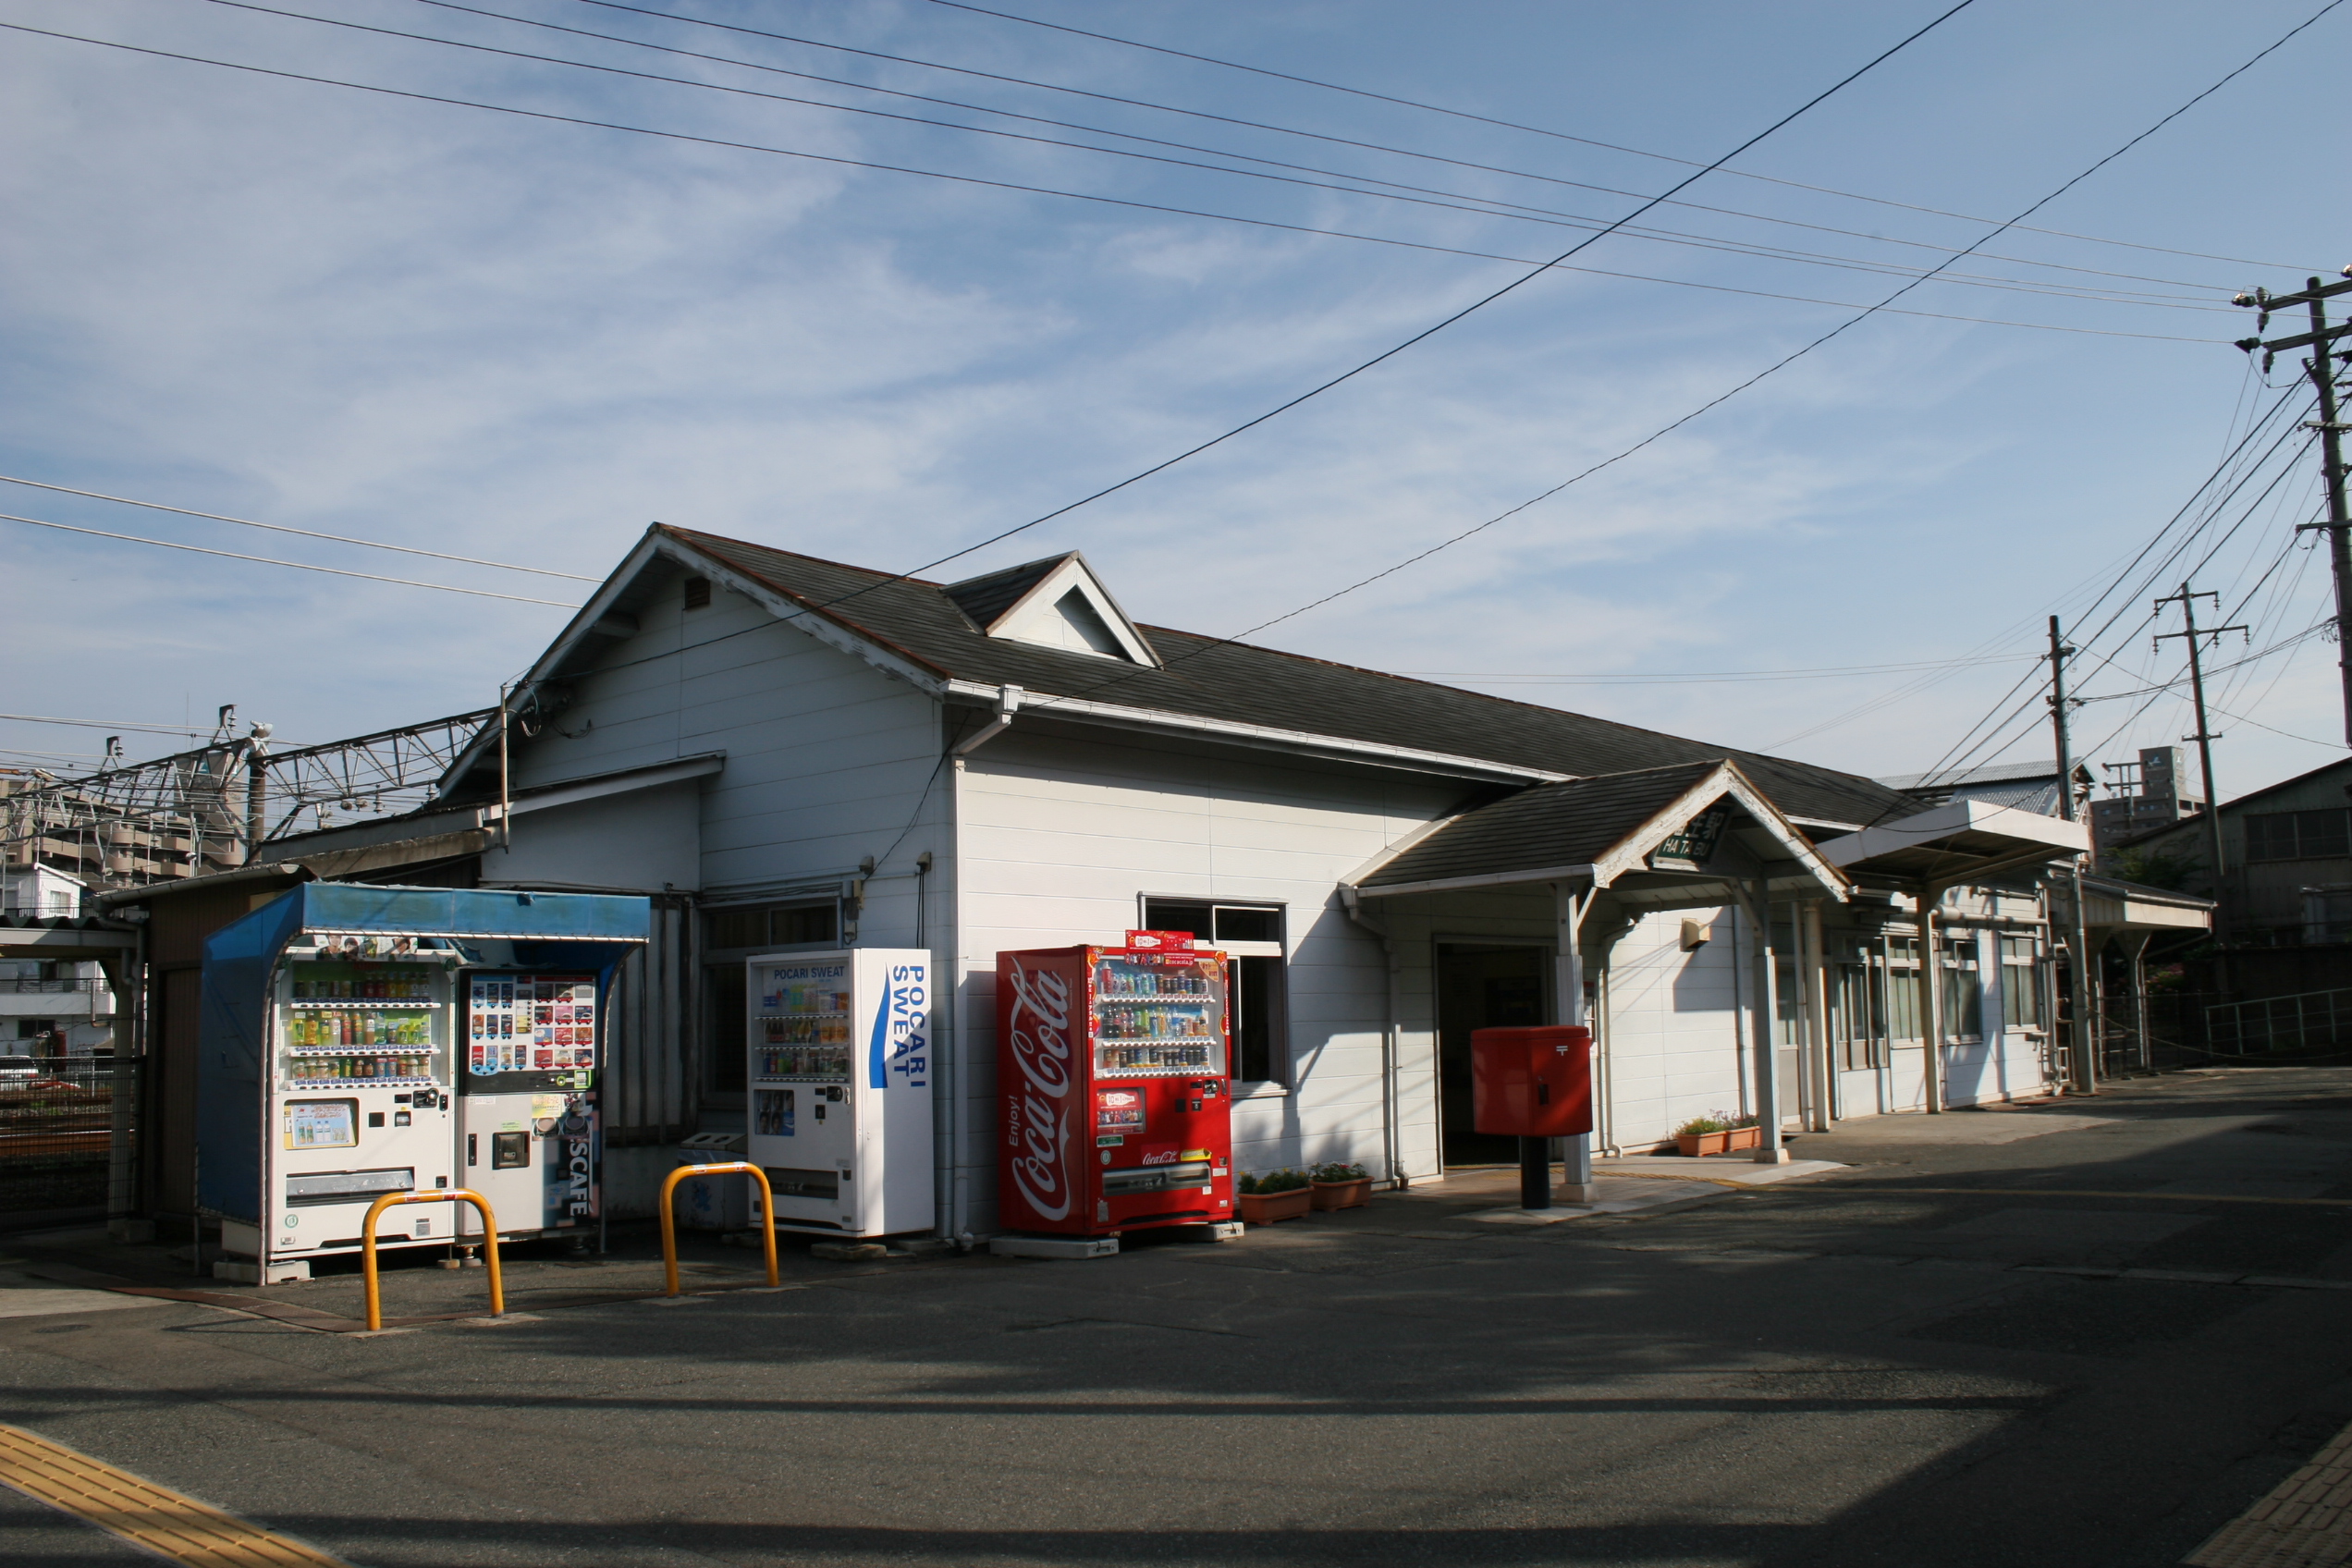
{"type": "Point", "coordinates": [1266, 1208]}
{"type": "Point", "coordinates": [1746, 1138]}
{"type": "Point", "coordinates": [1342, 1195]}
{"type": "Point", "coordinates": [1702, 1142]}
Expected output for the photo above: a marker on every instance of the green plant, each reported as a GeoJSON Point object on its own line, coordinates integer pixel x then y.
{"type": "Point", "coordinates": [1698, 1124]}
{"type": "Point", "coordinates": [1283, 1180]}
{"type": "Point", "coordinates": [1736, 1122]}
{"type": "Point", "coordinates": [2157, 866]}
{"type": "Point", "coordinates": [1336, 1171]}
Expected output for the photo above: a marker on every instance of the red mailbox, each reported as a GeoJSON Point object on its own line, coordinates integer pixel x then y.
{"type": "Point", "coordinates": [1531, 1083]}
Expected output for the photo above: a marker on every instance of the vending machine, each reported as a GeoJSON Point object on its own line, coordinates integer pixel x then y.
{"type": "Point", "coordinates": [527, 1127]}
{"type": "Point", "coordinates": [359, 1089]}
{"type": "Point", "coordinates": [1113, 1064]}
{"type": "Point", "coordinates": [336, 1033]}
{"type": "Point", "coordinates": [840, 1079]}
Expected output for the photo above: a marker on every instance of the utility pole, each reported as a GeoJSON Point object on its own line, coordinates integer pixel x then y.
{"type": "Point", "coordinates": [2082, 1059]}
{"type": "Point", "coordinates": [2320, 366]}
{"type": "Point", "coordinates": [2204, 736]}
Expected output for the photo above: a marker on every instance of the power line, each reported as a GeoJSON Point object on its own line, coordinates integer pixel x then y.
{"type": "Point", "coordinates": [1037, 189]}
{"type": "Point", "coordinates": [1432, 108]}
{"type": "Point", "coordinates": [298, 565]}
{"type": "Point", "coordinates": [103, 724]}
{"type": "Point", "coordinates": [1702, 676]}
{"type": "Point", "coordinates": [304, 533]}
{"type": "Point", "coordinates": [2201, 288]}
{"type": "Point", "coordinates": [1452, 200]}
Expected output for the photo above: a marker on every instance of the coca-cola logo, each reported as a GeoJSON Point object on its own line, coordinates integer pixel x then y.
{"type": "Point", "coordinates": [1039, 1024]}
{"type": "Point", "coordinates": [1165, 1156]}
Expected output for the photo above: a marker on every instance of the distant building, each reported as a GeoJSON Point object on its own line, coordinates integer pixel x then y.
{"type": "Point", "coordinates": [2022, 786]}
{"type": "Point", "coordinates": [2150, 794]}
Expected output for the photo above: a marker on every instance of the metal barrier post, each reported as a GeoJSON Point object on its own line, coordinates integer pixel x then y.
{"type": "Point", "coordinates": [458, 1194]}
{"type": "Point", "coordinates": [670, 1216]}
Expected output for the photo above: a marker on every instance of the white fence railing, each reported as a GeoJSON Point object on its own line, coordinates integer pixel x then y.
{"type": "Point", "coordinates": [2312, 1020]}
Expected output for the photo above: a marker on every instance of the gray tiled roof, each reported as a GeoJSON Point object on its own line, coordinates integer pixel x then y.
{"type": "Point", "coordinates": [1237, 682]}
{"type": "Point", "coordinates": [1570, 824]}
{"type": "Point", "coordinates": [985, 598]}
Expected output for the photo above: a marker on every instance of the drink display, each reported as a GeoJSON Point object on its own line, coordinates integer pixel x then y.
{"type": "Point", "coordinates": [839, 1069]}
{"type": "Point", "coordinates": [527, 1112]}
{"type": "Point", "coordinates": [531, 1024]}
{"type": "Point", "coordinates": [1112, 1065]}
{"type": "Point", "coordinates": [345, 1037]}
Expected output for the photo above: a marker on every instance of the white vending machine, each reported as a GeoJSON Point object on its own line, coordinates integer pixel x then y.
{"type": "Point", "coordinates": [359, 1095]}
{"type": "Point", "coordinates": [527, 1125]}
{"type": "Point", "coordinates": [840, 1080]}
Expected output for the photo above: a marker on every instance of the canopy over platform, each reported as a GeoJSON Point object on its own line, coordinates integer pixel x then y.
{"type": "Point", "coordinates": [1689, 836]}
{"type": "Point", "coordinates": [66, 938]}
{"type": "Point", "coordinates": [1957, 842]}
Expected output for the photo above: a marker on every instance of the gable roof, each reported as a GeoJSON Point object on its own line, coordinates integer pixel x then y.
{"type": "Point", "coordinates": [914, 628]}
{"type": "Point", "coordinates": [986, 599]}
{"type": "Point", "coordinates": [1552, 825]}
{"type": "Point", "coordinates": [1610, 832]}
{"type": "Point", "coordinates": [1237, 682]}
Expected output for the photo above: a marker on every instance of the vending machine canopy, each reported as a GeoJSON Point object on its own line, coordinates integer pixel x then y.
{"type": "Point", "coordinates": [570, 930]}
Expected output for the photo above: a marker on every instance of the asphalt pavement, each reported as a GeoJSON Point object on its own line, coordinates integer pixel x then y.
{"type": "Point", "coordinates": [2091, 1333]}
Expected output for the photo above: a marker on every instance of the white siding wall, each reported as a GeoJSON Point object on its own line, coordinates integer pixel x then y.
{"type": "Point", "coordinates": [827, 756]}
{"type": "Point", "coordinates": [1677, 1031]}
{"type": "Point", "coordinates": [1060, 836]}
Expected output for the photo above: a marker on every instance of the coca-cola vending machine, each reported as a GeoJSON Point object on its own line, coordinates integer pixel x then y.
{"type": "Point", "coordinates": [1113, 1063]}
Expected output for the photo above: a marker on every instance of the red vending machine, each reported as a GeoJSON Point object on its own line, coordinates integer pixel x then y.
{"type": "Point", "coordinates": [1113, 1063]}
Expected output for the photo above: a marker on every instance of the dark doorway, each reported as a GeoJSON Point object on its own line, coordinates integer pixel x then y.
{"type": "Point", "coordinates": [1480, 987]}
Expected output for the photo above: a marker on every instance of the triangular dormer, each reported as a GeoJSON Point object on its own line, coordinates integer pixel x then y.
{"type": "Point", "coordinates": [1056, 603]}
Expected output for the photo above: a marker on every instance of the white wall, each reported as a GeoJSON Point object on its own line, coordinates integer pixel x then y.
{"type": "Point", "coordinates": [1062, 835]}
{"type": "Point", "coordinates": [645, 842]}
{"type": "Point", "coordinates": [1676, 1031]}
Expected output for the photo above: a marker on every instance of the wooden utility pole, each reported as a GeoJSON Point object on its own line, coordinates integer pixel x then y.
{"type": "Point", "coordinates": [2320, 367]}
{"type": "Point", "coordinates": [2204, 736]}
{"type": "Point", "coordinates": [2082, 1055]}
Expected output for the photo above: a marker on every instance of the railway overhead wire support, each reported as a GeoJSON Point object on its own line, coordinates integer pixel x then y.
{"type": "Point", "coordinates": [2322, 368]}
{"type": "Point", "coordinates": [219, 806]}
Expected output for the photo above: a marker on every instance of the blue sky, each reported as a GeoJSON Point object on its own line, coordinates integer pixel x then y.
{"type": "Point", "coordinates": [523, 340]}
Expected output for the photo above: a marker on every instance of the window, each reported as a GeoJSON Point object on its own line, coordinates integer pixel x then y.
{"type": "Point", "coordinates": [2299, 835]}
{"type": "Point", "coordinates": [2020, 983]}
{"type": "Point", "coordinates": [1963, 998]}
{"type": "Point", "coordinates": [697, 592]}
{"type": "Point", "coordinates": [1251, 935]}
{"type": "Point", "coordinates": [731, 936]}
{"type": "Point", "coordinates": [1855, 1022]}
{"type": "Point", "coordinates": [1903, 989]}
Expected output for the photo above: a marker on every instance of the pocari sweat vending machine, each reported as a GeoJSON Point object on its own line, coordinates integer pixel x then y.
{"type": "Point", "coordinates": [840, 1080]}
{"type": "Point", "coordinates": [335, 1038]}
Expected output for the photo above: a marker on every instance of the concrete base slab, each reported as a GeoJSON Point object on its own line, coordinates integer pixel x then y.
{"type": "Point", "coordinates": [849, 1252]}
{"type": "Point", "coordinates": [29, 1296]}
{"type": "Point", "coordinates": [1737, 1170]}
{"type": "Point", "coordinates": [1616, 1198]}
{"type": "Point", "coordinates": [240, 1272]}
{"type": "Point", "coordinates": [1053, 1246]}
{"type": "Point", "coordinates": [1960, 1127]}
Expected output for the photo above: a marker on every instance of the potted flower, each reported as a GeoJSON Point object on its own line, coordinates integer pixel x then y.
{"type": "Point", "coordinates": [1338, 1184]}
{"type": "Point", "coordinates": [1745, 1134]}
{"type": "Point", "coordinates": [1276, 1196]}
{"type": "Point", "coordinates": [1702, 1134]}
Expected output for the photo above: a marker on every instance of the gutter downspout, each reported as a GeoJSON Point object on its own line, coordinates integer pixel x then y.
{"type": "Point", "coordinates": [1390, 1133]}
{"type": "Point", "coordinates": [950, 1195]}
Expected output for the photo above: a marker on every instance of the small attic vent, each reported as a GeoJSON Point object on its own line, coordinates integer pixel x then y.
{"type": "Point", "coordinates": [1083, 627]}
{"type": "Point", "coordinates": [697, 592]}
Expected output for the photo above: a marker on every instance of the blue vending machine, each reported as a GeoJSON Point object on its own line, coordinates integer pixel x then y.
{"type": "Point", "coordinates": [358, 1040]}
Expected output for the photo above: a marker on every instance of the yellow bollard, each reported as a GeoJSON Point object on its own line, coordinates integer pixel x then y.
{"type": "Point", "coordinates": [460, 1195]}
{"type": "Point", "coordinates": [669, 1218]}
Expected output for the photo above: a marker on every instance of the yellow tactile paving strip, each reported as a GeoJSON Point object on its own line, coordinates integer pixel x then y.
{"type": "Point", "coordinates": [2306, 1523]}
{"type": "Point", "coordinates": [161, 1521]}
